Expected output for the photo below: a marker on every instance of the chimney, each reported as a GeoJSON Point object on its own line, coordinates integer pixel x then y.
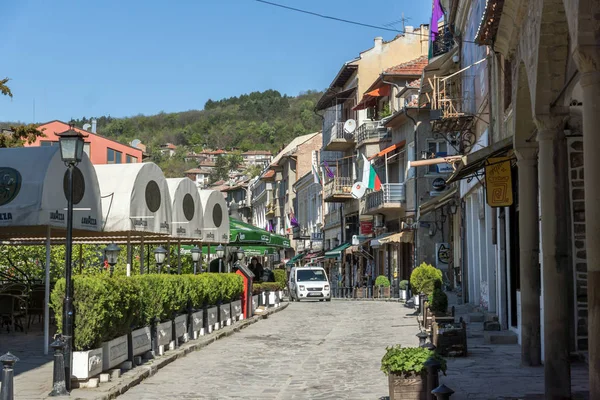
{"type": "Point", "coordinates": [409, 29]}
{"type": "Point", "coordinates": [378, 43]}
{"type": "Point", "coordinates": [94, 125]}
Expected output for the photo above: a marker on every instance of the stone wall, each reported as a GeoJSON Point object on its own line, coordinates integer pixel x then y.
{"type": "Point", "coordinates": [576, 189]}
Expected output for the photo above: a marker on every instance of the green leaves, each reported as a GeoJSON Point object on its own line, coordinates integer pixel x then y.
{"type": "Point", "coordinates": [280, 277]}
{"type": "Point", "coordinates": [382, 280]}
{"type": "Point", "coordinates": [423, 278]}
{"type": "Point", "coordinates": [106, 308]}
{"type": "Point", "coordinates": [408, 360]}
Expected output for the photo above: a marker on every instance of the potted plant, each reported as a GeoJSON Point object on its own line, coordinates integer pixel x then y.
{"type": "Point", "coordinates": [382, 287]}
{"type": "Point", "coordinates": [423, 278]}
{"type": "Point", "coordinates": [438, 301]}
{"type": "Point", "coordinates": [406, 371]}
{"type": "Point", "coordinates": [403, 290]}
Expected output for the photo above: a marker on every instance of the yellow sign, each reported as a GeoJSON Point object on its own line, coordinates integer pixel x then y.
{"type": "Point", "coordinates": [498, 182]}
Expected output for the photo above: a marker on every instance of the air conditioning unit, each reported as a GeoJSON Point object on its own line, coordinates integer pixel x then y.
{"type": "Point", "coordinates": [378, 220]}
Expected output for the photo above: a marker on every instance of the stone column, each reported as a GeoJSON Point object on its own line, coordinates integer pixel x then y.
{"type": "Point", "coordinates": [588, 61]}
{"type": "Point", "coordinates": [553, 168]}
{"type": "Point", "coordinates": [529, 256]}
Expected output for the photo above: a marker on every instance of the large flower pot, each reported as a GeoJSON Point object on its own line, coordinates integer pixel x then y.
{"type": "Point", "coordinates": [198, 323]}
{"type": "Point", "coordinates": [274, 298]}
{"type": "Point", "coordinates": [236, 310]}
{"type": "Point", "coordinates": [225, 314]}
{"type": "Point", "coordinates": [180, 326]}
{"type": "Point", "coordinates": [281, 295]}
{"type": "Point", "coordinates": [212, 319]}
{"type": "Point", "coordinates": [114, 352]}
{"type": "Point", "coordinates": [164, 333]}
{"type": "Point", "coordinates": [403, 294]}
{"type": "Point", "coordinates": [412, 387]}
{"type": "Point", "coordinates": [87, 364]}
{"type": "Point", "coordinates": [141, 341]}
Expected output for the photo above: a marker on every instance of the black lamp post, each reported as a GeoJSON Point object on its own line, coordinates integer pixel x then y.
{"type": "Point", "coordinates": [112, 254]}
{"type": "Point", "coordinates": [240, 254]}
{"type": "Point", "coordinates": [220, 251]}
{"type": "Point", "coordinates": [160, 253]}
{"type": "Point", "coordinates": [71, 152]}
{"type": "Point", "coordinates": [196, 256]}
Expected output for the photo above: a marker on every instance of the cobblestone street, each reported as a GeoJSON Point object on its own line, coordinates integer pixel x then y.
{"type": "Point", "coordinates": [310, 350]}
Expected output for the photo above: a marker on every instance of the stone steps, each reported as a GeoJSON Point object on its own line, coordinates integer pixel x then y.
{"type": "Point", "coordinates": [500, 337]}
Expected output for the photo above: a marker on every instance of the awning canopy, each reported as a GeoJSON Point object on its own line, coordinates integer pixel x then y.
{"type": "Point", "coordinates": [336, 251]}
{"type": "Point", "coordinates": [241, 232]}
{"type": "Point", "coordinates": [32, 193]}
{"type": "Point", "coordinates": [370, 98]}
{"type": "Point", "coordinates": [388, 150]}
{"type": "Point", "coordinates": [249, 250]}
{"type": "Point", "coordinates": [295, 259]}
{"type": "Point", "coordinates": [471, 163]}
{"type": "Point", "coordinates": [377, 241]}
{"type": "Point", "coordinates": [135, 199]}
{"type": "Point", "coordinates": [438, 201]}
{"type": "Point", "coordinates": [400, 237]}
{"type": "Point", "coordinates": [215, 214]}
{"type": "Point", "coordinates": [186, 209]}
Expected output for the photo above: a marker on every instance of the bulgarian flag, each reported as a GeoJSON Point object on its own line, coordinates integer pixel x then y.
{"type": "Point", "coordinates": [370, 177]}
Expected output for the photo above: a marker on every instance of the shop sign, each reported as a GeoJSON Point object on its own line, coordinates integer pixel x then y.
{"type": "Point", "coordinates": [366, 227]}
{"type": "Point", "coordinates": [498, 182]}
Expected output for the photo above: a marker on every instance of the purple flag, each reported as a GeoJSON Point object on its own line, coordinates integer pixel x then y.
{"type": "Point", "coordinates": [436, 14]}
{"type": "Point", "coordinates": [330, 174]}
{"type": "Point", "coordinates": [293, 220]}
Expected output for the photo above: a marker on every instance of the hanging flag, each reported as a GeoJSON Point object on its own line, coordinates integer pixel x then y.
{"type": "Point", "coordinates": [330, 174]}
{"type": "Point", "coordinates": [436, 13]}
{"type": "Point", "coordinates": [293, 220]}
{"type": "Point", "coordinates": [370, 177]}
{"type": "Point", "coordinates": [316, 176]}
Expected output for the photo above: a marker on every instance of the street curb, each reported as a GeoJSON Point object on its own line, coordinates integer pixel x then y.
{"type": "Point", "coordinates": [134, 377]}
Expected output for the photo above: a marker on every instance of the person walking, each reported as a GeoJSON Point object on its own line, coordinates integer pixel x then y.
{"type": "Point", "coordinates": [257, 269]}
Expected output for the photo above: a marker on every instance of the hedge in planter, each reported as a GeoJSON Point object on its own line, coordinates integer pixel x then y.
{"type": "Point", "coordinates": [280, 277]}
{"type": "Point", "coordinates": [423, 278]}
{"type": "Point", "coordinates": [382, 281]}
{"type": "Point", "coordinates": [438, 301]}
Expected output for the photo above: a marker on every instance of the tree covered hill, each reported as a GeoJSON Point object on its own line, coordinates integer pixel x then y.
{"type": "Point", "coordinates": [256, 121]}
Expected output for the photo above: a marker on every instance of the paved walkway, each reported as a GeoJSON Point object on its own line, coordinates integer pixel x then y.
{"type": "Point", "coordinates": [309, 351]}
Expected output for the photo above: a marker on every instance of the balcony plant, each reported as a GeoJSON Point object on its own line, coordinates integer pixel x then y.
{"type": "Point", "coordinates": [406, 371]}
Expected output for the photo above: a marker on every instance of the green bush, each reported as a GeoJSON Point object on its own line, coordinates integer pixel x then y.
{"type": "Point", "coordinates": [438, 301]}
{"type": "Point", "coordinates": [404, 285]}
{"type": "Point", "coordinates": [106, 308]}
{"type": "Point", "coordinates": [271, 286]}
{"type": "Point", "coordinates": [280, 277]}
{"type": "Point", "coordinates": [382, 281]}
{"type": "Point", "coordinates": [423, 279]}
{"type": "Point", "coordinates": [257, 288]}
{"type": "Point", "coordinates": [408, 360]}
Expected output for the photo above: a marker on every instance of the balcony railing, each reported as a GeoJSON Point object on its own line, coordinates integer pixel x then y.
{"type": "Point", "coordinates": [444, 42]}
{"type": "Point", "coordinates": [338, 188]}
{"type": "Point", "coordinates": [390, 194]}
{"type": "Point", "coordinates": [338, 139]}
{"type": "Point", "coordinates": [369, 130]}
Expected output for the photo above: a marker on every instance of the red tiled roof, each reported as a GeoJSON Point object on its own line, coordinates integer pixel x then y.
{"type": "Point", "coordinates": [412, 67]}
{"type": "Point", "coordinates": [206, 164]}
{"type": "Point", "coordinates": [269, 174]}
{"type": "Point", "coordinates": [256, 153]}
{"type": "Point", "coordinates": [415, 84]}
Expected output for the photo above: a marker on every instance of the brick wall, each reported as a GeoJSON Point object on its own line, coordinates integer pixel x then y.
{"type": "Point", "coordinates": [576, 189]}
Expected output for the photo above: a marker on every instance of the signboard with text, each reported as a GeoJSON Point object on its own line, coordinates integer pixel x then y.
{"type": "Point", "coordinates": [498, 182]}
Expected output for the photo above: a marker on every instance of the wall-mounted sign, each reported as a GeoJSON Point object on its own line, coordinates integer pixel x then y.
{"type": "Point", "coordinates": [444, 168]}
{"type": "Point", "coordinates": [498, 182]}
{"type": "Point", "coordinates": [438, 184]}
{"type": "Point", "coordinates": [442, 255]}
{"type": "Point", "coordinates": [316, 236]}
{"type": "Point", "coordinates": [366, 228]}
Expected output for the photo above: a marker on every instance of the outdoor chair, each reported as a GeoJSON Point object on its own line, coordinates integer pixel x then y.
{"type": "Point", "coordinates": [35, 305]}
{"type": "Point", "coordinates": [12, 311]}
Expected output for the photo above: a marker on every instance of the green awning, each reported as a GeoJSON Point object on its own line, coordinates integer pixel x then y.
{"type": "Point", "coordinates": [241, 232]}
{"type": "Point", "coordinates": [250, 250]}
{"type": "Point", "coordinates": [295, 259]}
{"type": "Point", "coordinates": [336, 251]}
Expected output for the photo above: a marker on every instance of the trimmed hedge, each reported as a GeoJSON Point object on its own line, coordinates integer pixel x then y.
{"type": "Point", "coordinates": [258, 288]}
{"type": "Point", "coordinates": [423, 279]}
{"type": "Point", "coordinates": [280, 277]}
{"type": "Point", "coordinates": [106, 308]}
{"type": "Point", "coordinates": [382, 280]}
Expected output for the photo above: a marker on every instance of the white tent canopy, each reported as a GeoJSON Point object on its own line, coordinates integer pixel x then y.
{"type": "Point", "coordinates": [216, 217]}
{"type": "Point", "coordinates": [135, 199]}
{"type": "Point", "coordinates": [33, 193]}
{"type": "Point", "coordinates": [187, 209]}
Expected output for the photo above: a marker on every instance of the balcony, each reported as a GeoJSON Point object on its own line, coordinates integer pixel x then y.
{"type": "Point", "coordinates": [389, 198]}
{"type": "Point", "coordinates": [444, 41]}
{"type": "Point", "coordinates": [338, 190]}
{"type": "Point", "coordinates": [270, 209]}
{"type": "Point", "coordinates": [369, 132]}
{"type": "Point", "coordinates": [339, 140]}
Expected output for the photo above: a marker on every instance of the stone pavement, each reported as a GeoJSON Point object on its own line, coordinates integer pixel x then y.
{"type": "Point", "coordinates": [312, 350]}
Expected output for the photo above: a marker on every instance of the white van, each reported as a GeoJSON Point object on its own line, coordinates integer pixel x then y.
{"type": "Point", "coordinates": [309, 283]}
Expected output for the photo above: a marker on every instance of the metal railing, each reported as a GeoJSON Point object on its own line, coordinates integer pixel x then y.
{"type": "Point", "coordinates": [362, 292]}
{"type": "Point", "coordinates": [444, 42]}
{"type": "Point", "coordinates": [390, 193]}
{"type": "Point", "coordinates": [336, 132]}
{"type": "Point", "coordinates": [369, 130]}
{"type": "Point", "coordinates": [338, 185]}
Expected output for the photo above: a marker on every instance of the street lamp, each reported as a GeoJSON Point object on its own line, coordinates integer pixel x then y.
{"type": "Point", "coordinates": [71, 152]}
{"type": "Point", "coordinates": [240, 254]}
{"type": "Point", "coordinates": [196, 256]}
{"type": "Point", "coordinates": [453, 207]}
{"type": "Point", "coordinates": [160, 253]}
{"type": "Point", "coordinates": [220, 253]}
{"type": "Point", "coordinates": [112, 254]}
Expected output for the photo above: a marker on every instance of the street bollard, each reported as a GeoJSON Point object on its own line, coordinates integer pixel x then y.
{"type": "Point", "coordinates": [433, 366]}
{"type": "Point", "coordinates": [422, 338]}
{"type": "Point", "coordinates": [442, 392]}
{"type": "Point", "coordinates": [59, 384]}
{"type": "Point", "coordinates": [7, 391]}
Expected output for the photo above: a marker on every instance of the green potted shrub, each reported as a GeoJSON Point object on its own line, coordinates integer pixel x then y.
{"type": "Point", "coordinates": [406, 371]}
{"type": "Point", "coordinates": [382, 287]}
{"type": "Point", "coordinates": [438, 301]}
{"type": "Point", "coordinates": [403, 290]}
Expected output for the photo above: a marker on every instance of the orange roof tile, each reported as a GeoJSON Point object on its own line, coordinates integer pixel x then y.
{"type": "Point", "coordinates": [412, 67]}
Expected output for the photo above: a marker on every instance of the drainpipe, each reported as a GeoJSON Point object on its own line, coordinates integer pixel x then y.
{"type": "Point", "coordinates": [416, 237]}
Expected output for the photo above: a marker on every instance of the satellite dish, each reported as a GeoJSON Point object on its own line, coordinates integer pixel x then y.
{"type": "Point", "coordinates": [86, 127]}
{"type": "Point", "coordinates": [135, 142]}
{"type": "Point", "coordinates": [350, 126]}
{"type": "Point", "coordinates": [358, 190]}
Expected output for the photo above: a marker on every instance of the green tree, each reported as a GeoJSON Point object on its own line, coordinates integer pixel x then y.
{"type": "Point", "coordinates": [4, 89]}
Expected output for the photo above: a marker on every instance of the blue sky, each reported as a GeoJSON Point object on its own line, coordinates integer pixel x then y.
{"type": "Point", "coordinates": [121, 58]}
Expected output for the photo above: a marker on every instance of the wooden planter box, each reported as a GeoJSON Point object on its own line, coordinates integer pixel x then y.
{"type": "Point", "coordinates": [450, 338]}
{"type": "Point", "coordinates": [413, 387]}
{"type": "Point", "coordinates": [114, 352]}
{"type": "Point", "coordinates": [87, 364]}
{"type": "Point", "coordinates": [381, 293]}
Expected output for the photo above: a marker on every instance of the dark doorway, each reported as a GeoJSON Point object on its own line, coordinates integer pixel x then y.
{"type": "Point", "coordinates": [515, 268]}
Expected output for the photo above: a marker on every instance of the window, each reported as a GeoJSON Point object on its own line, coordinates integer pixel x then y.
{"type": "Point", "coordinates": [311, 275]}
{"type": "Point", "coordinates": [437, 148]}
{"type": "Point", "coordinates": [113, 156]}
{"type": "Point", "coordinates": [86, 149]}
{"type": "Point", "coordinates": [131, 159]}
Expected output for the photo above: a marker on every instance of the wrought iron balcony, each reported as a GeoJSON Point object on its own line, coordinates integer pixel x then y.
{"type": "Point", "coordinates": [444, 41]}
{"type": "Point", "coordinates": [339, 140]}
{"type": "Point", "coordinates": [391, 196]}
{"type": "Point", "coordinates": [369, 131]}
{"type": "Point", "coordinates": [338, 190]}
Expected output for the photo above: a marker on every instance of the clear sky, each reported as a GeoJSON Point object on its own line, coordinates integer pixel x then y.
{"type": "Point", "coordinates": [112, 57]}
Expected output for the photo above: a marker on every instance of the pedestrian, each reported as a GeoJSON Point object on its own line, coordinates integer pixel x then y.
{"type": "Point", "coordinates": [256, 268]}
